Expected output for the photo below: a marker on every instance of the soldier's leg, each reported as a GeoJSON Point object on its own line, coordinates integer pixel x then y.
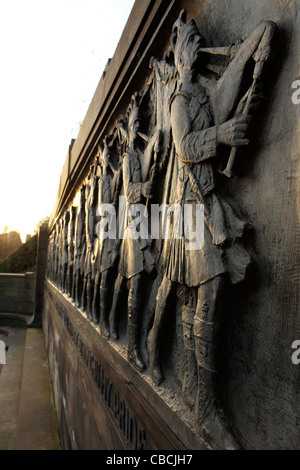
{"type": "Point", "coordinates": [95, 311]}
{"type": "Point", "coordinates": [64, 277]}
{"type": "Point", "coordinates": [156, 332]}
{"type": "Point", "coordinates": [113, 311]}
{"type": "Point", "coordinates": [72, 287]}
{"type": "Point", "coordinates": [77, 287]}
{"type": "Point", "coordinates": [89, 296]}
{"type": "Point", "coordinates": [83, 293]}
{"type": "Point", "coordinates": [149, 315]}
{"type": "Point", "coordinates": [210, 417]}
{"type": "Point", "coordinates": [190, 378]}
{"type": "Point", "coordinates": [134, 323]}
{"type": "Point", "coordinates": [70, 279]}
{"type": "Point", "coordinates": [104, 299]}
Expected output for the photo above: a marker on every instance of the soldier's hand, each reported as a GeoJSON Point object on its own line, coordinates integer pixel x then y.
{"type": "Point", "coordinates": [147, 189]}
{"type": "Point", "coordinates": [234, 131]}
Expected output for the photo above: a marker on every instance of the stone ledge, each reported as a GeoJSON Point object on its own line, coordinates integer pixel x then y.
{"type": "Point", "coordinates": [73, 342]}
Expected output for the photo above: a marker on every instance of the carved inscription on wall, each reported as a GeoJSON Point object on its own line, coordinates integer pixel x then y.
{"type": "Point", "coordinates": [132, 431]}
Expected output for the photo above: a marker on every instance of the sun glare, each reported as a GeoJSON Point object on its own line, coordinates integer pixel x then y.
{"type": "Point", "coordinates": [60, 73]}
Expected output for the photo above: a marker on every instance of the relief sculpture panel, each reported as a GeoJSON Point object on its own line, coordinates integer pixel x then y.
{"type": "Point", "coordinates": [152, 231]}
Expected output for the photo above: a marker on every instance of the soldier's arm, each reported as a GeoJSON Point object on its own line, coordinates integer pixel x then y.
{"type": "Point", "coordinates": [133, 191]}
{"type": "Point", "coordinates": [191, 146]}
{"type": "Point", "coordinates": [199, 146]}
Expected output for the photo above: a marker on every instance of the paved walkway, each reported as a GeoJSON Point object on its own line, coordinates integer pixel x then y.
{"type": "Point", "coordinates": [27, 413]}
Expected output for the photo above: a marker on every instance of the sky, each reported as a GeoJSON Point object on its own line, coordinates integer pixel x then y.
{"type": "Point", "coordinates": [52, 54]}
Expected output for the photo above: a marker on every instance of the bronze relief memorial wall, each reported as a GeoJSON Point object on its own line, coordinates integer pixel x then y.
{"type": "Point", "coordinates": [171, 300]}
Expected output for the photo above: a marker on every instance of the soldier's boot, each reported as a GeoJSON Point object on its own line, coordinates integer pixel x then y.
{"type": "Point", "coordinates": [210, 417]}
{"type": "Point", "coordinates": [133, 334]}
{"type": "Point", "coordinates": [190, 379]}
{"type": "Point", "coordinates": [104, 327]}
